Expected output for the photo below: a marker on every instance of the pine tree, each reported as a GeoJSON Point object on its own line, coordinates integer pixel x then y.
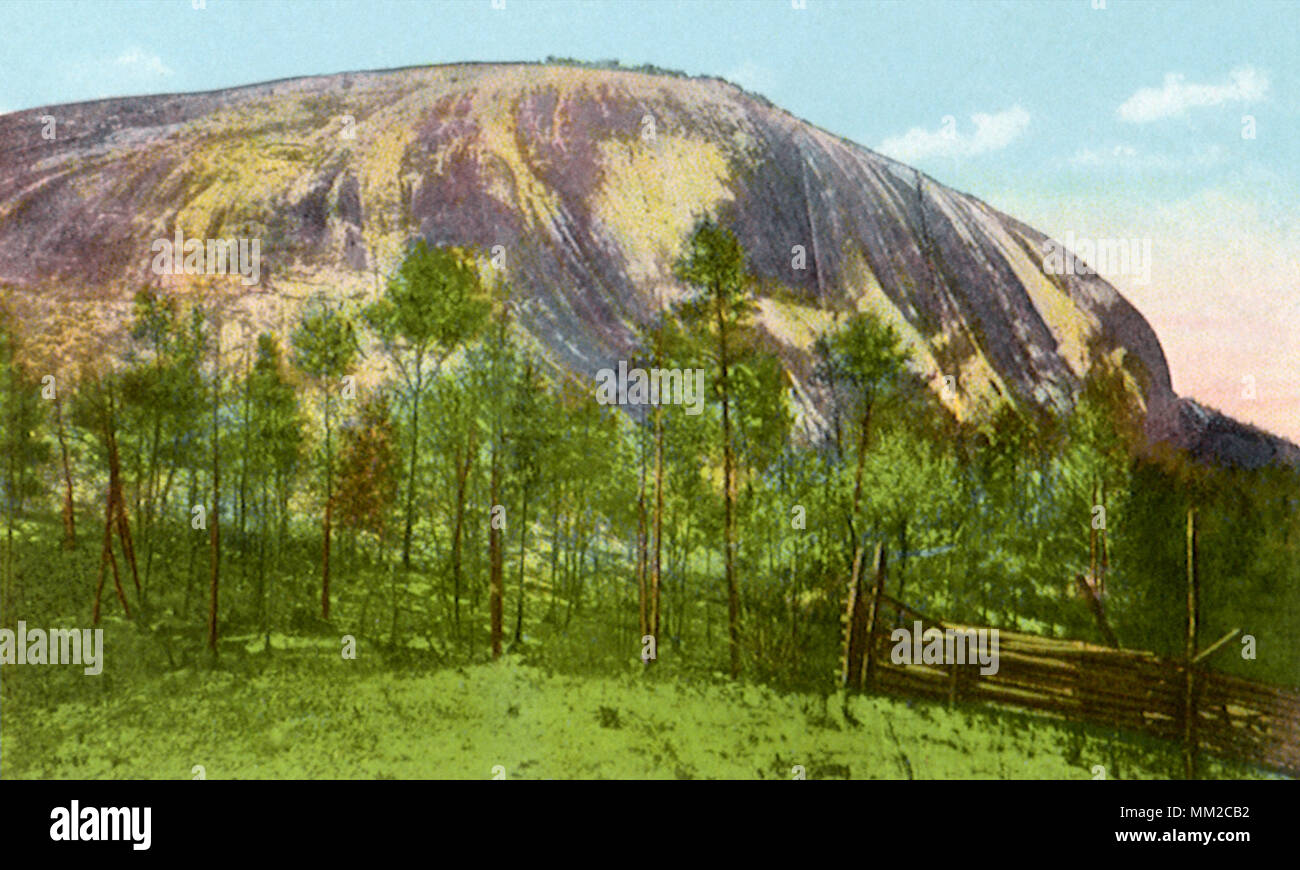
{"type": "Point", "coordinates": [721, 312]}
{"type": "Point", "coordinates": [325, 348]}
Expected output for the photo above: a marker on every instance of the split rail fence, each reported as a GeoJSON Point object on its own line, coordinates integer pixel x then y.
{"type": "Point", "coordinates": [1178, 699]}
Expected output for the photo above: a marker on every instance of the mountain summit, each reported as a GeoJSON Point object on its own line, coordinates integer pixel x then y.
{"type": "Point", "coordinates": [583, 184]}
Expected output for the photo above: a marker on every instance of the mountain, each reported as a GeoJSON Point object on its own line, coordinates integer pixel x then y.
{"type": "Point", "coordinates": [588, 179]}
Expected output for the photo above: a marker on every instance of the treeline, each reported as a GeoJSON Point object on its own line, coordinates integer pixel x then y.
{"type": "Point", "coordinates": [416, 472]}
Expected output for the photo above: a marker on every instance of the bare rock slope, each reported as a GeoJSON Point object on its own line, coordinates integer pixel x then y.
{"type": "Point", "coordinates": [588, 180]}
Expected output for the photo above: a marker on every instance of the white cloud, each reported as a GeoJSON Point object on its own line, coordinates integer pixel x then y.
{"type": "Point", "coordinates": [140, 61]}
{"type": "Point", "coordinates": [992, 133]}
{"type": "Point", "coordinates": [1177, 95]}
{"type": "Point", "coordinates": [1103, 157]}
{"type": "Point", "coordinates": [1128, 157]}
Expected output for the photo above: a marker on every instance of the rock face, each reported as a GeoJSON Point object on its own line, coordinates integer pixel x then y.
{"type": "Point", "coordinates": [588, 181]}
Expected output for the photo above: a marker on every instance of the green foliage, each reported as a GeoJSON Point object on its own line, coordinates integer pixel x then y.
{"type": "Point", "coordinates": [865, 355]}
{"type": "Point", "coordinates": [763, 416]}
{"type": "Point", "coordinates": [714, 263]}
{"type": "Point", "coordinates": [22, 417]}
{"type": "Point", "coordinates": [432, 305]}
{"type": "Point", "coordinates": [324, 342]}
{"type": "Point", "coordinates": [434, 301]}
{"type": "Point", "coordinates": [275, 423]}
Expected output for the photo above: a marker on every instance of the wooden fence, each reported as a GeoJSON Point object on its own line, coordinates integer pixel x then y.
{"type": "Point", "coordinates": [1179, 699]}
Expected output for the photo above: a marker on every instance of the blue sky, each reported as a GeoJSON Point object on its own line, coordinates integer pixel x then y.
{"type": "Point", "coordinates": [1120, 122]}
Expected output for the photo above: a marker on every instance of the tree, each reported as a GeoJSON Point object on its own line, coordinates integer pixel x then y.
{"type": "Point", "coordinates": [496, 448]}
{"type": "Point", "coordinates": [495, 366]}
{"type": "Point", "coordinates": [659, 338]}
{"type": "Point", "coordinates": [1102, 438]}
{"type": "Point", "coordinates": [98, 409]}
{"type": "Point", "coordinates": [528, 447]}
{"type": "Point", "coordinates": [275, 445]}
{"type": "Point", "coordinates": [325, 348]}
{"type": "Point", "coordinates": [368, 479]}
{"type": "Point", "coordinates": [457, 402]}
{"type": "Point", "coordinates": [161, 400]}
{"type": "Point", "coordinates": [721, 311]}
{"type": "Point", "coordinates": [23, 449]}
{"type": "Point", "coordinates": [367, 468]}
{"type": "Point", "coordinates": [214, 520]}
{"type": "Point", "coordinates": [433, 303]}
{"type": "Point", "coordinates": [865, 359]}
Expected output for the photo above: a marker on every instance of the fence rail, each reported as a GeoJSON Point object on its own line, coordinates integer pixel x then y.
{"type": "Point", "coordinates": [1140, 691]}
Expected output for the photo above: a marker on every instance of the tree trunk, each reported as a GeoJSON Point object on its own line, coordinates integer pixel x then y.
{"type": "Point", "coordinates": [214, 527]}
{"type": "Point", "coordinates": [555, 560]}
{"type": "Point", "coordinates": [643, 605]}
{"type": "Point", "coordinates": [264, 525]}
{"type": "Point", "coordinates": [496, 578]}
{"type": "Point", "coordinates": [128, 546]}
{"type": "Point", "coordinates": [193, 539]}
{"type": "Point", "coordinates": [729, 533]}
{"type": "Point", "coordinates": [462, 475]}
{"type": "Point", "coordinates": [415, 445]}
{"type": "Point", "coordinates": [523, 553]}
{"type": "Point", "coordinates": [7, 582]}
{"type": "Point", "coordinates": [103, 560]}
{"type": "Point", "coordinates": [794, 606]}
{"type": "Point", "coordinates": [656, 560]}
{"type": "Point", "coordinates": [110, 511]}
{"type": "Point", "coordinates": [902, 567]}
{"type": "Point", "coordinates": [69, 513]}
{"type": "Point", "coordinates": [116, 499]}
{"type": "Point", "coordinates": [124, 527]}
{"type": "Point", "coordinates": [1092, 536]}
{"type": "Point", "coordinates": [394, 593]}
{"type": "Point", "coordinates": [112, 560]}
{"type": "Point", "coordinates": [163, 499]}
{"type": "Point", "coordinates": [329, 513]}
{"type": "Point", "coordinates": [1104, 565]}
{"type": "Point", "coordinates": [243, 478]}
{"type": "Point", "coordinates": [107, 558]}
{"type": "Point", "coordinates": [149, 519]}
{"type": "Point", "coordinates": [863, 433]}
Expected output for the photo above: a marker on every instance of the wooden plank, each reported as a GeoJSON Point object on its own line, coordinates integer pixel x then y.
{"type": "Point", "coordinates": [1214, 647]}
{"type": "Point", "coordinates": [855, 621]}
{"type": "Point", "coordinates": [873, 616]}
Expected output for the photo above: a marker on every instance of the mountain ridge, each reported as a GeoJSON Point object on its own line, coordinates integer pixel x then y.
{"type": "Point", "coordinates": [590, 201]}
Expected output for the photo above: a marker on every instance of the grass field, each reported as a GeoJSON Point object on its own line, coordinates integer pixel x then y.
{"type": "Point", "coordinates": [307, 713]}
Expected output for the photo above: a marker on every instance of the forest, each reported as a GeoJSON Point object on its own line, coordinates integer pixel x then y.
{"type": "Point", "coordinates": [411, 472]}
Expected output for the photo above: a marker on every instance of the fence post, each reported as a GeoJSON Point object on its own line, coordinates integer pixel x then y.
{"type": "Point", "coordinates": [855, 622]}
{"type": "Point", "coordinates": [1193, 607]}
{"type": "Point", "coordinates": [873, 616]}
